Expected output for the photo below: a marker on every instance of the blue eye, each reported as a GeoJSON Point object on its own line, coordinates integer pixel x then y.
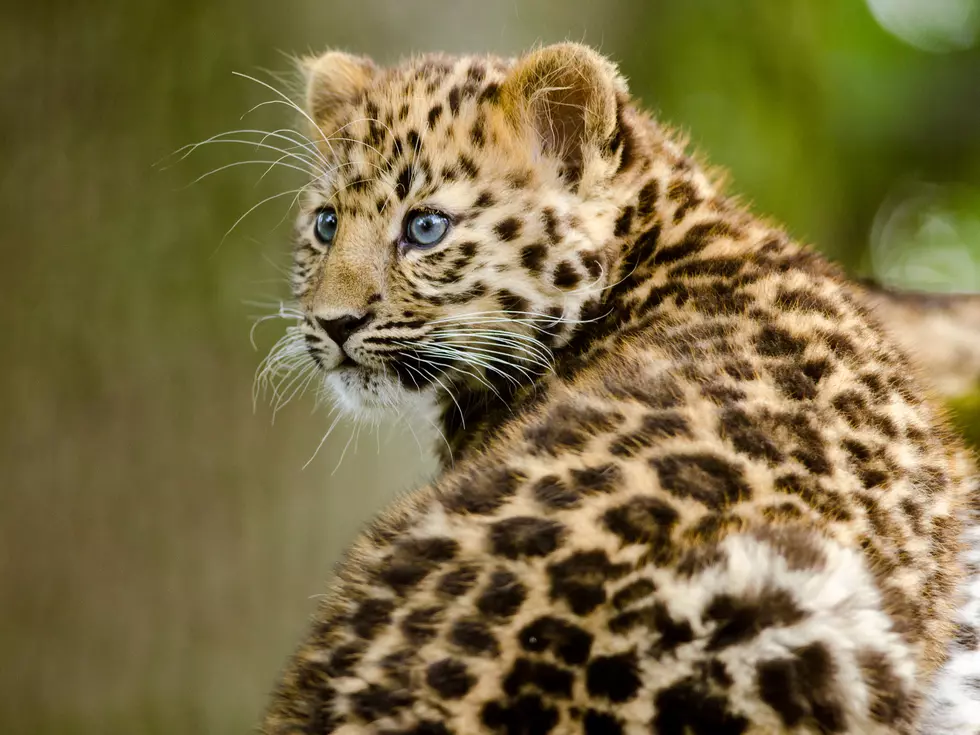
{"type": "Point", "coordinates": [325, 226]}
{"type": "Point", "coordinates": [425, 229]}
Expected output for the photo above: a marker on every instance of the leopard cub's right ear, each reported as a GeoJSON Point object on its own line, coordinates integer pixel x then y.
{"type": "Point", "coordinates": [333, 80]}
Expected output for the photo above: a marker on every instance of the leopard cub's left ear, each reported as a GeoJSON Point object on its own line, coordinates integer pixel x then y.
{"type": "Point", "coordinates": [567, 95]}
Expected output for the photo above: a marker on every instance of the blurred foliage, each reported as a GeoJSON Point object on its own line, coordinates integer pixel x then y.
{"type": "Point", "coordinates": [161, 545]}
{"type": "Point", "coordinates": [966, 416]}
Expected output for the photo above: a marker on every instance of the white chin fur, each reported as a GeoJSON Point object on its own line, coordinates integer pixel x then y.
{"type": "Point", "coordinates": [373, 397]}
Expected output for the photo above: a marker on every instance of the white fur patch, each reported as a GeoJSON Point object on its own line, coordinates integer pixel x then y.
{"type": "Point", "coordinates": [953, 704]}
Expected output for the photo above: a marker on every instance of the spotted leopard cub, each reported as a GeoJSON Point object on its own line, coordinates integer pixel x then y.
{"type": "Point", "coordinates": [688, 484]}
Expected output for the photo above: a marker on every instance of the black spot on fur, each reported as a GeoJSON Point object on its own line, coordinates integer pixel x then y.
{"type": "Point", "coordinates": [533, 257]}
{"type": "Point", "coordinates": [371, 616]}
{"type": "Point", "coordinates": [704, 477]}
{"type": "Point", "coordinates": [601, 723]}
{"type": "Point", "coordinates": [689, 708]}
{"type": "Point", "coordinates": [552, 492]}
{"type": "Point", "coordinates": [546, 678]}
{"type": "Point", "coordinates": [404, 181]}
{"type": "Point", "coordinates": [510, 301]}
{"type": "Point", "coordinates": [449, 678]}
{"type": "Point", "coordinates": [653, 427]}
{"type": "Point", "coordinates": [773, 341]}
{"type": "Point", "coordinates": [568, 427]}
{"type": "Point", "coordinates": [615, 678]}
{"type": "Point", "coordinates": [739, 619]}
{"type": "Point", "coordinates": [413, 140]}
{"type": "Point", "coordinates": [525, 536]}
{"type": "Point", "coordinates": [454, 99]}
{"type": "Point", "coordinates": [625, 222]}
{"type": "Point", "coordinates": [566, 276]}
{"type": "Point", "coordinates": [522, 716]}
{"type": "Point", "coordinates": [458, 582]}
{"type": "Point", "coordinates": [606, 478]}
{"type": "Point", "coordinates": [490, 93]}
{"type": "Point", "coordinates": [508, 229]}
{"type": "Point", "coordinates": [567, 641]}
{"type": "Point", "coordinates": [659, 391]}
{"type": "Point", "coordinates": [632, 593]}
{"type": "Point", "coordinates": [486, 199]}
{"type": "Point", "coordinates": [469, 167]}
{"type": "Point", "coordinates": [551, 225]}
{"type": "Point", "coordinates": [412, 560]}
{"type": "Point", "coordinates": [503, 595]}
{"type": "Point", "coordinates": [474, 637]}
{"type": "Point", "coordinates": [750, 434]}
{"type": "Point", "coordinates": [581, 579]}
{"type": "Point", "coordinates": [802, 689]}
{"type": "Point", "coordinates": [890, 703]}
{"type": "Point", "coordinates": [642, 519]}
{"type": "Point", "coordinates": [434, 114]}
{"type": "Point", "coordinates": [477, 136]}
{"type": "Point", "coordinates": [344, 659]}
{"type": "Point", "coordinates": [375, 702]}
{"type": "Point", "coordinates": [483, 490]}
{"type": "Point", "coordinates": [648, 198]}
{"type": "Point", "coordinates": [806, 301]}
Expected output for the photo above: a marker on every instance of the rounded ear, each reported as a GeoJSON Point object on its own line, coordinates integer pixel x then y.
{"type": "Point", "coordinates": [333, 80]}
{"type": "Point", "coordinates": [567, 94]}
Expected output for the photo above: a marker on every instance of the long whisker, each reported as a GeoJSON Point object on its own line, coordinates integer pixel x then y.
{"type": "Point", "coordinates": [295, 192]}
{"type": "Point", "coordinates": [534, 348]}
{"type": "Point", "coordinates": [433, 376]}
{"type": "Point", "coordinates": [288, 102]}
{"type": "Point", "coordinates": [319, 446]}
{"type": "Point", "coordinates": [487, 347]}
{"type": "Point", "coordinates": [448, 363]}
{"type": "Point", "coordinates": [472, 359]}
{"type": "Point", "coordinates": [223, 138]}
{"type": "Point", "coordinates": [252, 162]}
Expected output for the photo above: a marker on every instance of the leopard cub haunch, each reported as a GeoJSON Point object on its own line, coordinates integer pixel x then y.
{"type": "Point", "coordinates": [689, 484]}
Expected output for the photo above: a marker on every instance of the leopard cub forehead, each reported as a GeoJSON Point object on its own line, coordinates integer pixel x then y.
{"type": "Point", "coordinates": [427, 126]}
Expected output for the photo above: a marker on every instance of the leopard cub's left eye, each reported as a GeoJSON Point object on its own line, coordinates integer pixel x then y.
{"type": "Point", "coordinates": [426, 229]}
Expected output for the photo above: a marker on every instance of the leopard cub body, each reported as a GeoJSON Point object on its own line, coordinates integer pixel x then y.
{"type": "Point", "coordinates": [689, 485]}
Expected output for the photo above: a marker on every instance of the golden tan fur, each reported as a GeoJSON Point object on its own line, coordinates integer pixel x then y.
{"type": "Point", "coordinates": [689, 483]}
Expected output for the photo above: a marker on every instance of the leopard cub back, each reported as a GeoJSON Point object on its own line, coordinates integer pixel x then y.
{"type": "Point", "coordinates": [689, 484]}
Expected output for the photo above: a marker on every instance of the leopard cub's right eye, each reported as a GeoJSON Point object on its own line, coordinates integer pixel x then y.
{"type": "Point", "coordinates": [325, 226]}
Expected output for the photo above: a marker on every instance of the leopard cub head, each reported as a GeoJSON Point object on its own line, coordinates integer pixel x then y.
{"type": "Point", "coordinates": [460, 228]}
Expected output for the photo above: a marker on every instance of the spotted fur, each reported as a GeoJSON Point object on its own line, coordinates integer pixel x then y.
{"type": "Point", "coordinates": [726, 507]}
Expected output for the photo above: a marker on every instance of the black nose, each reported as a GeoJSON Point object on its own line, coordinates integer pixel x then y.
{"type": "Point", "coordinates": [342, 327]}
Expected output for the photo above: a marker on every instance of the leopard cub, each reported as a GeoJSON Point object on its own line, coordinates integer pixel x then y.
{"type": "Point", "coordinates": [689, 484]}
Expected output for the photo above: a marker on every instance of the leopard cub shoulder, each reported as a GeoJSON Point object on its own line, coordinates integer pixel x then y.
{"type": "Point", "coordinates": [688, 485]}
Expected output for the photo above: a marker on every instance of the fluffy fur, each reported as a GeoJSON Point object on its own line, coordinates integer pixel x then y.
{"type": "Point", "coordinates": [689, 485]}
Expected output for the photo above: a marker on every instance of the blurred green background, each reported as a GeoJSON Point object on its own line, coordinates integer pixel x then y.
{"type": "Point", "coordinates": [160, 544]}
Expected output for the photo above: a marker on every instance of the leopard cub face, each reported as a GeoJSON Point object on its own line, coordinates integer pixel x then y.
{"type": "Point", "coordinates": [459, 228]}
